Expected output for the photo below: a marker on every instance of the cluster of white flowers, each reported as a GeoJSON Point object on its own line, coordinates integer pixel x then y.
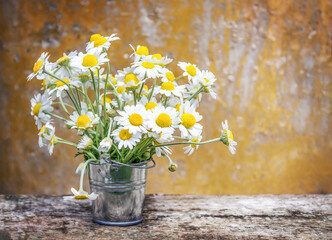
{"type": "Point", "coordinates": [135, 113]}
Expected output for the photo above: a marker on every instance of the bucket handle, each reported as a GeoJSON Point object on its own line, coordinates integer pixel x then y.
{"type": "Point", "coordinates": [133, 166]}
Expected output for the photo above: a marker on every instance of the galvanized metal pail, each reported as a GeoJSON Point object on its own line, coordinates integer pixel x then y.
{"type": "Point", "coordinates": [121, 191]}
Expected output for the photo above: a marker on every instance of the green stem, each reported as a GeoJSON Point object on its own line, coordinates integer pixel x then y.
{"type": "Point", "coordinates": [117, 96]}
{"type": "Point", "coordinates": [195, 143]}
{"type": "Point", "coordinates": [140, 92]}
{"type": "Point", "coordinates": [179, 77]}
{"type": "Point", "coordinates": [76, 107]}
{"type": "Point", "coordinates": [90, 154]}
{"type": "Point", "coordinates": [60, 140]}
{"type": "Point", "coordinates": [150, 94]}
{"type": "Point", "coordinates": [79, 99]}
{"type": "Point", "coordinates": [66, 104]}
{"type": "Point", "coordinates": [165, 101]}
{"type": "Point", "coordinates": [196, 93]}
{"type": "Point", "coordinates": [134, 92]}
{"type": "Point", "coordinates": [177, 137]}
{"type": "Point", "coordinates": [105, 90]}
{"type": "Point", "coordinates": [56, 116]}
{"type": "Point", "coordinates": [88, 101]}
{"type": "Point", "coordinates": [94, 89]}
{"type": "Point", "coordinates": [71, 90]}
{"type": "Point", "coordinates": [63, 105]}
{"type": "Point", "coordinates": [82, 173]}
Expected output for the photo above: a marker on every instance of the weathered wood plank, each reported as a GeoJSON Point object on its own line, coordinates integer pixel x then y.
{"type": "Point", "coordinates": [173, 217]}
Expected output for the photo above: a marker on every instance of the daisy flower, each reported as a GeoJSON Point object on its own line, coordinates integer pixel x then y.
{"type": "Point", "coordinates": [190, 149]}
{"type": "Point", "coordinates": [38, 66]}
{"type": "Point", "coordinates": [91, 60]}
{"type": "Point", "coordinates": [139, 52]}
{"type": "Point", "coordinates": [39, 104]}
{"type": "Point", "coordinates": [149, 105]}
{"type": "Point", "coordinates": [53, 141]}
{"type": "Point", "coordinates": [109, 102]}
{"type": "Point", "coordinates": [61, 86]}
{"type": "Point", "coordinates": [188, 119]}
{"type": "Point", "coordinates": [207, 79]}
{"type": "Point", "coordinates": [105, 145]}
{"type": "Point", "coordinates": [84, 120]}
{"type": "Point", "coordinates": [146, 69]}
{"type": "Point", "coordinates": [124, 138]}
{"type": "Point", "coordinates": [45, 133]}
{"type": "Point", "coordinates": [163, 120]}
{"type": "Point", "coordinates": [80, 195]}
{"type": "Point", "coordinates": [227, 137]}
{"type": "Point", "coordinates": [167, 76]}
{"type": "Point", "coordinates": [193, 87]}
{"type": "Point", "coordinates": [128, 79]}
{"type": "Point", "coordinates": [85, 143]}
{"type": "Point", "coordinates": [98, 42]}
{"type": "Point", "coordinates": [189, 69]}
{"type": "Point", "coordinates": [133, 118]}
{"type": "Point", "coordinates": [170, 88]}
{"type": "Point", "coordinates": [160, 60]}
{"type": "Point", "coordinates": [65, 59]}
{"type": "Point", "coordinates": [159, 140]}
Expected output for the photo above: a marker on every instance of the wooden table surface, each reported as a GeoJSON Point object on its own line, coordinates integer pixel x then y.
{"type": "Point", "coordinates": [173, 217]}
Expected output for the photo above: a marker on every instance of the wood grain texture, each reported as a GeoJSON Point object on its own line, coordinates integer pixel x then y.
{"type": "Point", "coordinates": [173, 217]}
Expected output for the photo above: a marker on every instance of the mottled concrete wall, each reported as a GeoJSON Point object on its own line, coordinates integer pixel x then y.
{"type": "Point", "coordinates": [273, 64]}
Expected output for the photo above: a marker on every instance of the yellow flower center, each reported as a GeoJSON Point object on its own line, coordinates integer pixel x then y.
{"type": "Point", "coordinates": [84, 77]}
{"type": "Point", "coordinates": [62, 59]}
{"type": "Point", "coordinates": [135, 119]}
{"type": "Point", "coordinates": [89, 61]}
{"type": "Point", "coordinates": [37, 66]}
{"type": "Point", "coordinates": [194, 140]}
{"type": "Point", "coordinates": [125, 134]}
{"type": "Point", "coordinates": [36, 109]}
{"type": "Point", "coordinates": [100, 41]}
{"type": "Point", "coordinates": [142, 50]}
{"type": "Point", "coordinates": [169, 86]}
{"type": "Point", "coordinates": [157, 55]}
{"type": "Point", "coordinates": [164, 120]}
{"type": "Point", "coordinates": [150, 105]}
{"type": "Point", "coordinates": [206, 80]}
{"type": "Point", "coordinates": [148, 65]}
{"type": "Point", "coordinates": [44, 84]}
{"type": "Point", "coordinates": [230, 134]}
{"type": "Point", "coordinates": [177, 107]}
{"type": "Point", "coordinates": [120, 90]}
{"type": "Point", "coordinates": [188, 120]}
{"type": "Point", "coordinates": [191, 70]}
{"type": "Point", "coordinates": [108, 99]}
{"type": "Point", "coordinates": [170, 76]}
{"type": "Point", "coordinates": [83, 121]}
{"type": "Point", "coordinates": [53, 141]}
{"type": "Point", "coordinates": [131, 77]}
{"type": "Point", "coordinates": [42, 129]}
{"type": "Point", "coordinates": [60, 83]}
{"type": "Point", "coordinates": [81, 197]}
{"type": "Point", "coordinates": [146, 88]}
{"type": "Point", "coordinates": [94, 37]}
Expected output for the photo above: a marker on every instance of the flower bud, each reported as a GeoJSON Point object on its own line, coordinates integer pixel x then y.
{"type": "Point", "coordinates": [146, 155]}
{"type": "Point", "coordinates": [84, 78]}
{"type": "Point", "coordinates": [111, 112]}
{"type": "Point", "coordinates": [172, 167]}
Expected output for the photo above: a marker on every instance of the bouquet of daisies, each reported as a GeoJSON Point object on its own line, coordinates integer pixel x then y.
{"type": "Point", "coordinates": [130, 116]}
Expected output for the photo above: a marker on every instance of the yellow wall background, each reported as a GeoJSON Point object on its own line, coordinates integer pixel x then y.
{"type": "Point", "coordinates": [272, 60]}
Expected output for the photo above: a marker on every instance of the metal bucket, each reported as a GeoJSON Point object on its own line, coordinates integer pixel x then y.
{"type": "Point", "coordinates": [121, 191]}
